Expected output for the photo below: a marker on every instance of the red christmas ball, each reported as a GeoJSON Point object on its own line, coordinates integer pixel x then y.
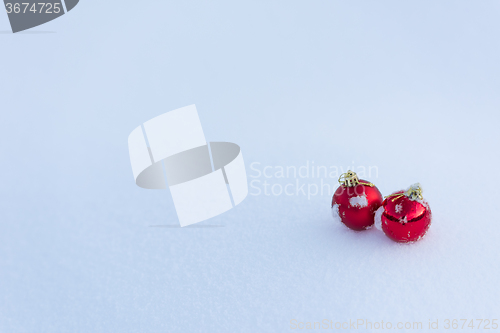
{"type": "Point", "coordinates": [405, 216]}
{"type": "Point", "coordinates": [355, 201]}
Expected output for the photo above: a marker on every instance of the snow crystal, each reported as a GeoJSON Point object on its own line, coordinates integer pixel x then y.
{"type": "Point", "coordinates": [398, 208]}
{"type": "Point", "coordinates": [359, 201]}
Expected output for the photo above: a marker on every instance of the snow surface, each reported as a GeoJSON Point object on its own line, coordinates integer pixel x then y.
{"type": "Point", "coordinates": [83, 249]}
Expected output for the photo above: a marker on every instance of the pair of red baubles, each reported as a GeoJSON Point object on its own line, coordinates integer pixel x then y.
{"type": "Point", "coordinates": [404, 216]}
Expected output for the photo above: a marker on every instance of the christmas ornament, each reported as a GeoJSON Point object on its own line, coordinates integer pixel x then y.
{"type": "Point", "coordinates": [404, 216]}
{"type": "Point", "coordinates": [355, 201]}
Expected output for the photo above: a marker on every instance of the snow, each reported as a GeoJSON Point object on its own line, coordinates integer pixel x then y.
{"type": "Point", "coordinates": [335, 214]}
{"type": "Point", "coordinates": [409, 88]}
{"type": "Point", "coordinates": [378, 218]}
{"type": "Point", "coordinates": [359, 201]}
{"type": "Point", "coordinates": [416, 186]}
{"type": "Point", "coordinates": [398, 208]}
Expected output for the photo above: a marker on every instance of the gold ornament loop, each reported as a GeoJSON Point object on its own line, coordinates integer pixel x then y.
{"type": "Point", "coordinates": [414, 192]}
{"type": "Point", "coordinates": [350, 179]}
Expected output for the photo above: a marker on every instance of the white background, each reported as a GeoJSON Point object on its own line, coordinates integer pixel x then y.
{"type": "Point", "coordinates": [411, 87]}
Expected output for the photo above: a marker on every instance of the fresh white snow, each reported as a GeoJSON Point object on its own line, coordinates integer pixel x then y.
{"type": "Point", "coordinates": [378, 218]}
{"type": "Point", "coordinates": [335, 213]}
{"type": "Point", "coordinates": [408, 89]}
{"type": "Point", "coordinates": [358, 201]}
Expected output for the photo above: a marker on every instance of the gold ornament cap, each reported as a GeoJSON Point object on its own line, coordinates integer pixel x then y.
{"type": "Point", "coordinates": [414, 192]}
{"type": "Point", "coordinates": [349, 179]}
